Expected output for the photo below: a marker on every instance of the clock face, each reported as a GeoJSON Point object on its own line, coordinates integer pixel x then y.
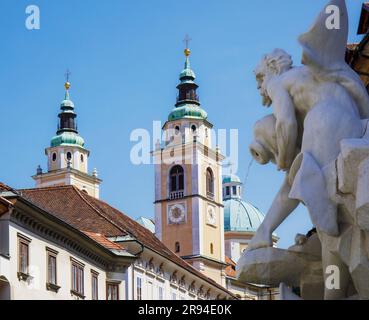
{"type": "Point", "coordinates": [177, 214]}
{"type": "Point", "coordinates": [211, 217]}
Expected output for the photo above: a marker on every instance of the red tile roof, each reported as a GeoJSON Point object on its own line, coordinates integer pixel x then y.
{"type": "Point", "coordinates": [4, 206]}
{"type": "Point", "coordinates": [4, 187]}
{"type": "Point", "coordinates": [4, 203]}
{"type": "Point", "coordinates": [94, 216]}
{"type": "Point", "coordinates": [231, 268]}
{"type": "Point", "coordinates": [99, 238]}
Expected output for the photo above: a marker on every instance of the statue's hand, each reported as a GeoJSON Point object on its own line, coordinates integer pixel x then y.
{"type": "Point", "coordinates": [262, 239]}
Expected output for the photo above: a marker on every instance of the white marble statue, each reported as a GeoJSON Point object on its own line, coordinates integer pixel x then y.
{"type": "Point", "coordinates": [316, 109]}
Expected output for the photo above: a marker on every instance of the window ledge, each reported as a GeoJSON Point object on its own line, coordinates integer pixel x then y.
{"type": "Point", "coordinates": [52, 287]}
{"type": "Point", "coordinates": [23, 276]}
{"type": "Point", "coordinates": [77, 294]}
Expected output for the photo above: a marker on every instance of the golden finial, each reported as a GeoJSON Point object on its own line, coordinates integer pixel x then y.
{"type": "Point", "coordinates": [187, 40]}
{"type": "Point", "coordinates": [67, 83]}
{"type": "Point", "coordinates": [187, 52]}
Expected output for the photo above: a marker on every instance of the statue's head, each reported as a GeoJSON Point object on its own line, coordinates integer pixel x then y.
{"type": "Point", "coordinates": [272, 64]}
{"type": "Point", "coordinates": [264, 147]}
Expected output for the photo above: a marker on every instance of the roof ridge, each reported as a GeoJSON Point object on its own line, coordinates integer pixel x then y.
{"type": "Point", "coordinates": [47, 188]}
{"type": "Point", "coordinates": [6, 187]}
{"type": "Point", "coordinates": [82, 196]}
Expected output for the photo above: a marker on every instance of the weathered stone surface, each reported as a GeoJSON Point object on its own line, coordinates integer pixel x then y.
{"type": "Point", "coordinates": [271, 266]}
{"type": "Point", "coordinates": [362, 195]}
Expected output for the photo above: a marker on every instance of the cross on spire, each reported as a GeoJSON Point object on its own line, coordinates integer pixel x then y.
{"type": "Point", "coordinates": [67, 75]}
{"type": "Point", "coordinates": [187, 40]}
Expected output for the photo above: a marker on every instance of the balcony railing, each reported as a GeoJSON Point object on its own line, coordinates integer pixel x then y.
{"type": "Point", "coordinates": [176, 195]}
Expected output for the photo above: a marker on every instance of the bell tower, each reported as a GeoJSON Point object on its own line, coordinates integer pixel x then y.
{"type": "Point", "coordinates": [67, 156]}
{"type": "Point", "coordinates": [188, 183]}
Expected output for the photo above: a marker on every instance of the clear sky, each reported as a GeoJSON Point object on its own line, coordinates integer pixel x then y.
{"type": "Point", "coordinates": [125, 58]}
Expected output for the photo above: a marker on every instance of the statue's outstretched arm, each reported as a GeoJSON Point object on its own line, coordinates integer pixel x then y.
{"type": "Point", "coordinates": [281, 208]}
{"type": "Point", "coordinates": [286, 125]}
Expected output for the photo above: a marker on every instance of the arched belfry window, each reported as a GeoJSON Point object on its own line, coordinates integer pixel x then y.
{"type": "Point", "coordinates": [209, 183]}
{"type": "Point", "coordinates": [176, 179]}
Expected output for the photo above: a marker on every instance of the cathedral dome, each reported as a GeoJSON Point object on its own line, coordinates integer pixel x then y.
{"type": "Point", "coordinates": [188, 111]}
{"type": "Point", "coordinates": [67, 138]}
{"type": "Point", "coordinates": [240, 215]}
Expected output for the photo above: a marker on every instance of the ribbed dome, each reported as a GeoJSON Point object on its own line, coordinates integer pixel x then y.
{"type": "Point", "coordinates": [188, 111]}
{"type": "Point", "coordinates": [67, 138]}
{"type": "Point", "coordinates": [67, 103]}
{"type": "Point", "coordinates": [187, 73]}
{"type": "Point", "coordinates": [240, 215]}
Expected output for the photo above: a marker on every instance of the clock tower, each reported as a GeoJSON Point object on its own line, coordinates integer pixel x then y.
{"type": "Point", "coordinates": [188, 183]}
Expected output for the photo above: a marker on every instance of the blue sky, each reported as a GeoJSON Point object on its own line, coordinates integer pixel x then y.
{"type": "Point", "coordinates": [125, 57]}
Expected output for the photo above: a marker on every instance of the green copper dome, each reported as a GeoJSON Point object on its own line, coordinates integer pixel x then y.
{"type": "Point", "coordinates": [241, 216]}
{"type": "Point", "coordinates": [67, 138]}
{"type": "Point", "coordinates": [231, 179]}
{"type": "Point", "coordinates": [67, 103]}
{"type": "Point", "coordinates": [187, 73]}
{"type": "Point", "coordinates": [190, 111]}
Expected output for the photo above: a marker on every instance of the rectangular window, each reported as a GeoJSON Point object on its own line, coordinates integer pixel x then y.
{"type": "Point", "coordinates": [23, 255]}
{"type": "Point", "coordinates": [77, 278]}
{"type": "Point", "coordinates": [112, 291]}
{"type": "Point", "coordinates": [234, 190]}
{"type": "Point", "coordinates": [227, 191]}
{"type": "Point", "coordinates": [139, 288]}
{"type": "Point", "coordinates": [51, 266]}
{"type": "Point", "coordinates": [95, 285]}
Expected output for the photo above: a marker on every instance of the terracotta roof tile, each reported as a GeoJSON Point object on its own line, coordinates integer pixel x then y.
{"type": "Point", "coordinates": [4, 187]}
{"type": "Point", "coordinates": [99, 238]}
{"type": "Point", "coordinates": [97, 217]}
{"type": "Point", "coordinates": [66, 204]}
{"type": "Point", "coordinates": [4, 205]}
{"type": "Point", "coordinates": [231, 268]}
{"type": "Point", "coordinates": [352, 46]}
